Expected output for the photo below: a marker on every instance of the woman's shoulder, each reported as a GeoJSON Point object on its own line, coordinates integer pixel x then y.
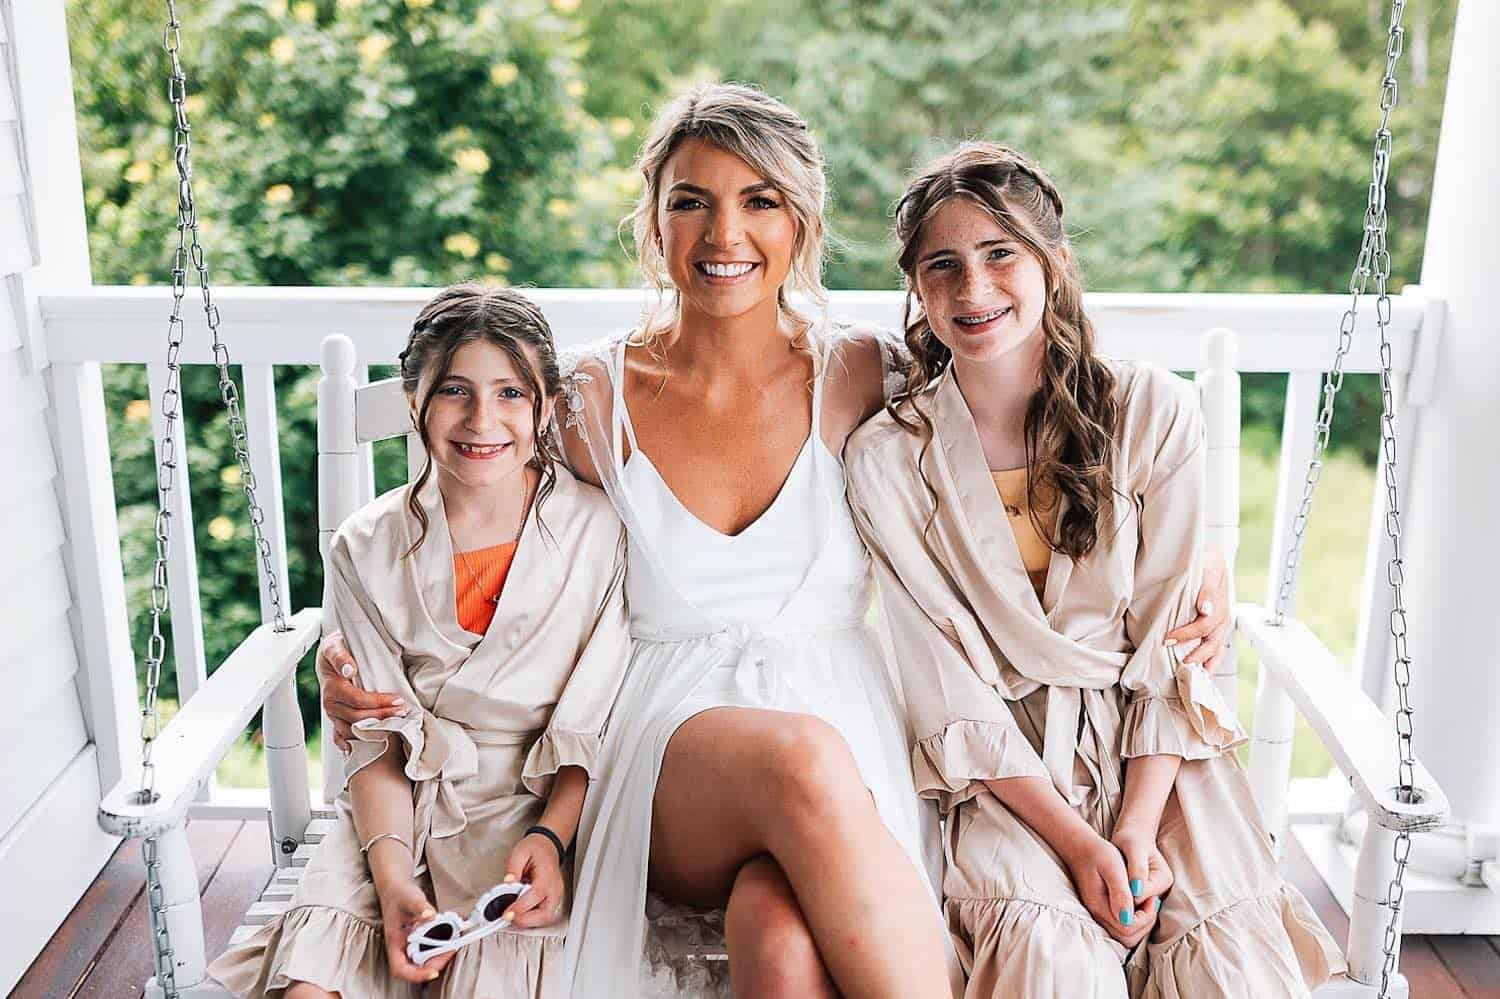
{"type": "Point", "coordinates": [584, 364]}
{"type": "Point", "coordinates": [877, 351]}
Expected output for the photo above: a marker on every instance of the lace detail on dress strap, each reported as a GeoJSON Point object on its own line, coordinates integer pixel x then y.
{"type": "Point", "coordinates": [895, 361]}
{"type": "Point", "coordinates": [574, 401]}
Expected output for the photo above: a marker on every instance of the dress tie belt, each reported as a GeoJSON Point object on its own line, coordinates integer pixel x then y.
{"type": "Point", "coordinates": [1082, 724]}
{"type": "Point", "coordinates": [449, 753]}
{"type": "Point", "coordinates": [757, 652]}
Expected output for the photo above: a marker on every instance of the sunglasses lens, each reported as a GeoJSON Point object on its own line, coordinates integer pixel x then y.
{"type": "Point", "coordinates": [439, 933]}
{"type": "Point", "coordinates": [496, 906]}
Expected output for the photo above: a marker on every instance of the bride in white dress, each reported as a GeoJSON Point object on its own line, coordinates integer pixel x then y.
{"type": "Point", "coordinates": [758, 712]}
{"type": "Point", "coordinates": [757, 758]}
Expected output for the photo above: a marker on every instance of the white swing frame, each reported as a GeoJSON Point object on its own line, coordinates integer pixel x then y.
{"type": "Point", "coordinates": [1299, 677]}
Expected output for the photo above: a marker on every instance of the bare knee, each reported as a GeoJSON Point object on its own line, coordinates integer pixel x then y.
{"type": "Point", "coordinates": [305, 990]}
{"type": "Point", "coordinates": [771, 949]}
{"type": "Point", "coordinates": [816, 783]}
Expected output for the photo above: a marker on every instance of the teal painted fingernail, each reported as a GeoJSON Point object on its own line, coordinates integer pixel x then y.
{"type": "Point", "coordinates": [1126, 917]}
{"type": "Point", "coordinates": [1158, 903]}
{"type": "Point", "coordinates": [1136, 887]}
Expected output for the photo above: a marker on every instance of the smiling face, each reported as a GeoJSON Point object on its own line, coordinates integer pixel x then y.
{"type": "Point", "coordinates": [481, 424]}
{"type": "Point", "coordinates": [727, 234]}
{"type": "Point", "coordinates": [984, 291]}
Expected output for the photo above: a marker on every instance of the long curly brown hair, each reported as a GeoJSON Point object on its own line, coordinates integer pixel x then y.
{"type": "Point", "coordinates": [1072, 419]}
{"type": "Point", "coordinates": [507, 319]}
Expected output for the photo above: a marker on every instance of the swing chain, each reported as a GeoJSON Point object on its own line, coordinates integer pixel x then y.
{"type": "Point", "coordinates": [166, 961]}
{"type": "Point", "coordinates": [1373, 262]}
{"type": "Point", "coordinates": [189, 250]}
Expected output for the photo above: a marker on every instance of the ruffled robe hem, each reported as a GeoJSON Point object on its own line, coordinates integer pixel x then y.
{"type": "Point", "coordinates": [1267, 946]}
{"type": "Point", "coordinates": [340, 952]}
{"type": "Point", "coordinates": [1273, 945]}
{"type": "Point", "coordinates": [950, 766]}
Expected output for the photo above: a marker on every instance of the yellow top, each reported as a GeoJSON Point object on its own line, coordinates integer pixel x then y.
{"type": "Point", "coordinates": [1035, 554]}
{"type": "Point", "coordinates": [478, 578]}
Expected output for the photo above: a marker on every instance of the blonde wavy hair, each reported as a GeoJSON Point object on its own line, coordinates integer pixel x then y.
{"type": "Point", "coordinates": [776, 143]}
{"type": "Point", "coordinates": [1071, 422]}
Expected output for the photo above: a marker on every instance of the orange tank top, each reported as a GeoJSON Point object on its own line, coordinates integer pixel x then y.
{"type": "Point", "coordinates": [478, 578]}
{"type": "Point", "coordinates": [1036, 554]}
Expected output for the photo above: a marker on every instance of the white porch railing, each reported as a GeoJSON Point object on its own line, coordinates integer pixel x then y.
{"type": "Point", "coordinates": [286, 326]}
{"type": "Point", "coordinates": [264, 327]}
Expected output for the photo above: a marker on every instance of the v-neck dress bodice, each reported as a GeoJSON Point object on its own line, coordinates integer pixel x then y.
{"type": "Point", "coordinates": [774, 617]}
{"type": "Point", "coordinates": [799, 564]}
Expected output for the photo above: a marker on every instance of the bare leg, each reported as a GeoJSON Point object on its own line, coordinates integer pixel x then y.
{"type": "Point", "coordinates": [737, 782]}
{"type": "Point", "coordinates": [302, 990]}
{"type": "Point", "coordinates": [772, 954]}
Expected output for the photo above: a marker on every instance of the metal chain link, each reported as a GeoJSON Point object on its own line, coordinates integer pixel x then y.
{"type": "Point", "coordinates": [166, 961]}
{"type": "Point", "coordinates": [189, 250]}
{"type": "Point", "coordinates": [1373, 262]}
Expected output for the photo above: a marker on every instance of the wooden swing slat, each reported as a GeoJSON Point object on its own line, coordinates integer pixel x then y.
{"type": "Point", "coordinates": [192, 744]}
{"type": "Point", "coordinates": [1354, 730]}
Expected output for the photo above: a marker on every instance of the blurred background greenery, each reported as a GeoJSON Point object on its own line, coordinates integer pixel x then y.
{"type": "Point", "coordinates": [1203, 145]}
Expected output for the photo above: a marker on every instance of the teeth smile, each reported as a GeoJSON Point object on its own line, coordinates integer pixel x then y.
{"type": "Point", "coordinates": [980, 320]}
{"type": "Point", "coordinates": [724, 270]}
{"type": "Point", "coordinates": [480, 450]}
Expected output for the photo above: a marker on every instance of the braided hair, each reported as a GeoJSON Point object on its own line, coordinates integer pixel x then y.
{"type": "Point", "coordinates": [466, 313]}
{"type": "Point", "coordinates": [1072, 420]}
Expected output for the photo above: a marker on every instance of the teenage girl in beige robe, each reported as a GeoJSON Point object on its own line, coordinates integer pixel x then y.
{"type": "Point", "coordinates": [1034, 514]}
{"type": "Point", "coordinates": [502, 728]}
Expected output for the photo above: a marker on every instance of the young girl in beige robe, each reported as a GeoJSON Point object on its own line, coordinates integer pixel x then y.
{"type": "Point", "coordinates": [1034, 514]}
{"type": "Point", "coordinates": [502, 726]}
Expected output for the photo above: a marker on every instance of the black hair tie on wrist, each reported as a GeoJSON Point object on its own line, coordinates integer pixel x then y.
{"type": "Point", "coordinates": [562, 851]}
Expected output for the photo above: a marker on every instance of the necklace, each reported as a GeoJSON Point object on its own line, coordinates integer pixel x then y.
{"type": "Point", "coordinates": [494, 599]}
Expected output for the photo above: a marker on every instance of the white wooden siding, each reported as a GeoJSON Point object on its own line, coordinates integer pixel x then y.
{"type": "Point", "coordinates": [50, 843]}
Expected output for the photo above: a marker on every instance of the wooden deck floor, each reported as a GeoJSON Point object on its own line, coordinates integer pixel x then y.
{"type": "Point", "coordinates": [100, 951]}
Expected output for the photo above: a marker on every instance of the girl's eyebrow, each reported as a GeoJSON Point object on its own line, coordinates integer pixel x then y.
{"type": "Point", "coordinates": [985, 244]}
{"type": "Point", "coordinates": [507, 380]}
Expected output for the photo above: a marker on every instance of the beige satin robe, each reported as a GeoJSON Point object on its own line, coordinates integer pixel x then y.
{"type": "Point", "coordinates": [999, 684]}
{"type": "Point", "coordinates": [494, 718]}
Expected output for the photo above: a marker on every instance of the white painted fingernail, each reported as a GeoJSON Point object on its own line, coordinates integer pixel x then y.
{"type": "Point", "coordinates": [1208, 606]}
{"type": "Point", "coordinates": [1169, 642]}
{"type": "Point", "coordinates": [347, 671]}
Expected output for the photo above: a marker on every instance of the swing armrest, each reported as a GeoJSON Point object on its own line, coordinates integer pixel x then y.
{"type": "Point", "coordinates": [192, 744]}
{"type": "Point", "coordinates": [1361, 739]}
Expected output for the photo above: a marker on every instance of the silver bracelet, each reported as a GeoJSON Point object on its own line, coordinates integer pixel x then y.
{"type": "Point", "coordinates": [386, 835]}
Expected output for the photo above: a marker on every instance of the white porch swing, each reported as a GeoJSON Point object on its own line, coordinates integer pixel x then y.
{"type": "Point", "coordinates": [1299, 675]}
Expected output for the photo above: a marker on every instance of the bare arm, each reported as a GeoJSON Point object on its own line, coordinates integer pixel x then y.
{"type": "Point", "coordinates": [853, 391]}
{"type": "Point", "coordinates": [381, 795]}
{"type": "Point", "coordinates": [1096, 866]}
{"type": "Point", "coordinates": [1148, 783]}
{"type": "Point", "coordinates": [535, 859]}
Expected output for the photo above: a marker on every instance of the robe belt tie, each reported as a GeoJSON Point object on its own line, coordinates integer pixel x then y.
{"type": "Point", "coordinates": [449, 753]}
{"type": "Point", "coordinates": [758, 652]}
{"type": "Point", "coordinates": [1082, 724]}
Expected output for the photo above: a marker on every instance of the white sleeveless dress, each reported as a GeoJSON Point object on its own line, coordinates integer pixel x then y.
{"type": "Point", "coordinates": [773, 617]}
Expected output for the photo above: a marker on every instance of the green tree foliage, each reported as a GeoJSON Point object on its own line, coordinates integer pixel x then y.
{"type": "Point", "coordinates": [1201, 145]}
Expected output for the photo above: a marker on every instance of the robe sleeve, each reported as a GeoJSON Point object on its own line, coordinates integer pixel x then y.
{"type": "Point", "coordinates": [380, 667]}
{"type": "Point", "coordinates": [576, 728]}
{"type": "Point", "coordinates": [1171, 709]}
{"type": "Point", "coordinates": [963, 730]}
